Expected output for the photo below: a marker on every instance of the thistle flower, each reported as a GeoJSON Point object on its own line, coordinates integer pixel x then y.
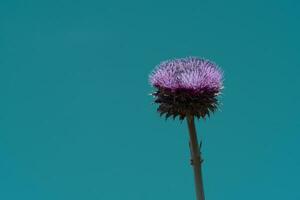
{"type": "Point", "coordinates": [187, 86]}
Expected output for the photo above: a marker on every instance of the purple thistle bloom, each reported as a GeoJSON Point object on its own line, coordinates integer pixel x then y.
{"type": "Point", "coordinates": [187, 86]}
{"type": "Point", "coordinates": [187, 73]}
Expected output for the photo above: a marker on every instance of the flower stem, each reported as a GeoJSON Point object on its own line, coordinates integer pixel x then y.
{"type": "Point", "coordinates": [196, 159]}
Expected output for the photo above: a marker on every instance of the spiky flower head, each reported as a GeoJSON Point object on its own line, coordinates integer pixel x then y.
{"type": "Point", "coordinates": [186, 86]}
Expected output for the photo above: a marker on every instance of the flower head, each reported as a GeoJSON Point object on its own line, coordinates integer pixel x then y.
{"type": "Point", "coordinates": [186, 86]}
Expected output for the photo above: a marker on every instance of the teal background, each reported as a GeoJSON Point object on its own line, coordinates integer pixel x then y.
{"type": "Point", "coordinates": [76, 120]}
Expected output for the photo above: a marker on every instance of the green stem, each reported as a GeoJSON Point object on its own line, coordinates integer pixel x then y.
{"type": "Point", "coordinates": [196, 159]}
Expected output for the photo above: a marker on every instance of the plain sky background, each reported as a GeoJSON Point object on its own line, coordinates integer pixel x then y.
{"type": "Point", "coordinates": [76, 120]}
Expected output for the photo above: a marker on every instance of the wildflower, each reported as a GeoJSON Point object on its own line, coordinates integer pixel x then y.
{"type": "Point", "coordinates": [186, 86]}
